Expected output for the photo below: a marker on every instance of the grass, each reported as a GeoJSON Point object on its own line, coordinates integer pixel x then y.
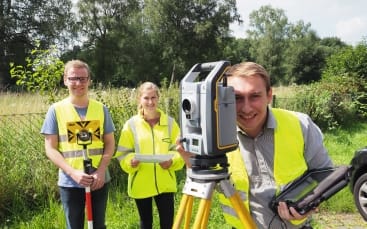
{"type": "Point", "coordinates": [121, 212]}
{"type": "Point", "coordinates": [17, 103]}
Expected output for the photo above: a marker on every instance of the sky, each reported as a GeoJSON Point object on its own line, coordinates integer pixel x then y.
{"type": "Point", "coordinates": [329, 18]}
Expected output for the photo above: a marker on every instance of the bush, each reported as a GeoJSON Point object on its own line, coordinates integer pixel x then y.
{"type": "Point", "coordinates": [329, 103]}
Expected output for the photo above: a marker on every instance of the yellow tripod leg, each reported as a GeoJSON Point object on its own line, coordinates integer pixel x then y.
{"type": "Point", "coordinates": [202, 216]}
{"type": "Point", "coordinates": [205, 220]}
{"type": "Point", "coordinates": [188, 212]}
{"type": "Point", "coordinates": [233, 196]}
{"type": "Point", "coordinates": [180, 212]}
{"type": "Point", "coordinates": [204, 190]}
{"type": "Point", "coordinates": [241, 211]}
{"type": "Point", "coordinates": [184, 211]}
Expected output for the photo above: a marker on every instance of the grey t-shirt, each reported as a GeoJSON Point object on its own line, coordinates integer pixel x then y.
{"type": "Point", "coordinates": [50, 127]}
{"type": "Point", "coordinates": [258, 155]}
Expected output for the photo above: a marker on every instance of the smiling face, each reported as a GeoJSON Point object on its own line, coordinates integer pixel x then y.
{"type": "Point", "coordinates": [148, 98]}
{"type": "Point", "coordinates": [252, 98]}
{"type": "Point", "coordinates": [149, 101]}
{"type": "Point", "coordinates": [76, 79]}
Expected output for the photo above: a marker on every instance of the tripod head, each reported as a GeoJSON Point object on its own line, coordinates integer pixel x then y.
{"type": "Point", "coordinates": [202, 164]}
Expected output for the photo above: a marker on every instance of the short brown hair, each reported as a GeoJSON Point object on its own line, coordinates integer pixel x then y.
{"type": "Point", "coordinates": [245, 69]}
{"type": "Point", "coordinates": [76, 64]}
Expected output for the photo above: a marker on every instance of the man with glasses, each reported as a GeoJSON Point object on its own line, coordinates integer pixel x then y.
{"type": "Point", "coordinates": [65, 151]}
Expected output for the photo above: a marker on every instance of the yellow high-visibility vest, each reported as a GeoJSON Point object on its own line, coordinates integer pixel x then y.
{"type": "Point", "coordinates": [69, 146]}
{"type": "Point", "coordinates": [138, 137]}
{"type": "Point", "coordinates": [289, 162]}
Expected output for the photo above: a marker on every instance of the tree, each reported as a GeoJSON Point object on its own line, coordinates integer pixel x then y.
{"type": "Point", "coordinates": [350, 60]}
{"type": "Point", "coordinates": [268, 33]}
{"type": "Point", "coordinates": [42, 73]}
{"type": "Point", "coordinates": [292, 53]}
{"type": "Point", "coordinates": [105, 28]}
{"type": "Point", "coordinates": [304, 57]}
{"type": "Point", "coordinates": [24, 22]}
{"type": "Point", "coordinates": [237, 50]}
{"type": "Point", "coordinates": [188, 32]}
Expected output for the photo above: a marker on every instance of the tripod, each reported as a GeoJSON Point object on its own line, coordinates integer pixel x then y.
{"type": "Point", "coordinates": [201, 182]}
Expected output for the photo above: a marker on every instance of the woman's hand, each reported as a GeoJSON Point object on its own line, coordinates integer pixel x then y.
{"type": "Point", "coordinates": [166, 164]}
{"type": "Point", "coordinates": [134, 163]}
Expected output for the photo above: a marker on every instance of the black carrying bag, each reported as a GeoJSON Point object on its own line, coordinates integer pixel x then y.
{"type": "Point", "coordinates": [312, 188]}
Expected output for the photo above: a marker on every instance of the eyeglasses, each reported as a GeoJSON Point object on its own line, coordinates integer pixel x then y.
{"type": "Point", "coordinates": [80, 79]}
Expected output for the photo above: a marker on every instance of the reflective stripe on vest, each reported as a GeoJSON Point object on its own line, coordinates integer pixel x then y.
{"type": "Point", "coordinates": [136, 138]}
{"type": "Point", "coordinates": [125, 152]}
{"type": "Point", "coordinates": [79, 153]}
{"type": "Point", "coordinates": [72, 151]}
{"type": "Point", "coordinates": [289, 161]}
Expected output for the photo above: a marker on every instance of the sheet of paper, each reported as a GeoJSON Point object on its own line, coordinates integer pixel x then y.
{"type": "Point", "coordinates": [156, 158]}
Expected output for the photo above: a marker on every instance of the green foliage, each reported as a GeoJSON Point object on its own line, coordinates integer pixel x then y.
{"type": "Point", "coordinates": [22, 23]}
{"type": "Point", "coordinates": [268, 33]}
{"type": "Point", "coordinates": [29, 195]}
{"type": "Point", "coordinates": [127, 42]}
{"type": "Point", "coordinates": [350, 63]}
{"type": "Point", "coordinates": [350, 60]}
{"type": "Point", "coordinates": [341, 96]}
{"type": "Point", "coordinates": [304, 58]}
{"type": "Point", "coordinates": [237, 50]}
{"type": "Point", "coordinates": [30, 177]}
{"type": "Point", "coordinates": [42, 73]}
{"type": "Point", "coordinates": [291, 53]}
{"type": "Point", "coordinates": [329, 104]}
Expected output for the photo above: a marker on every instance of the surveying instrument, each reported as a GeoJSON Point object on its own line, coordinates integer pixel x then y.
{"type": "Point", "coordinates": [83, 133]}
{"type": "Point", "coordinates": [208, 130]}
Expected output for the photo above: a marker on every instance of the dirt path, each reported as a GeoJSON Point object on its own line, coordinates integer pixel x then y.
{"type": "Point", "coordinates": [340, 221]}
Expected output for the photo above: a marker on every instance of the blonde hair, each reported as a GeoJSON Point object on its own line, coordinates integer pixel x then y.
{"type": "Point", "coordinates": [145, 87]}
{"type": "Point", "coordinates": [246, 69]}
{"type": "Point", "coordinates": [75, 64]}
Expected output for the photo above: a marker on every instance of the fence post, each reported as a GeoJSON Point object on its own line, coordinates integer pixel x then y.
{"type": "Point", "coordinates": [273, 102]}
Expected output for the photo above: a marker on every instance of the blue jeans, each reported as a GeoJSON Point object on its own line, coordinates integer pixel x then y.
{"type": "Point", "coordinates": [73, 201]}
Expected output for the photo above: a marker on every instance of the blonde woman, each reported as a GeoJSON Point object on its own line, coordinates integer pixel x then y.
{"type": "Point", "coordinates": [150, 132]}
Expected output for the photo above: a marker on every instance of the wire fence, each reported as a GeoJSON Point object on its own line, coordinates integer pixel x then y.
{"type": "Point", "coordinates": [21, 130]}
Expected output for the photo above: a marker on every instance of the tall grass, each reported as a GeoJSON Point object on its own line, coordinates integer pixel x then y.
{"type": "Point", "coordinates": [29, 169]}
{"type": "Point", "coordinates": [19, 103]}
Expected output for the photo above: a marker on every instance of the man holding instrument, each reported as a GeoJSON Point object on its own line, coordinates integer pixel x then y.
{"type": "Point", "coordinates": [276, 147]}
{"type": "Point", "coordinates": [66, 152]}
